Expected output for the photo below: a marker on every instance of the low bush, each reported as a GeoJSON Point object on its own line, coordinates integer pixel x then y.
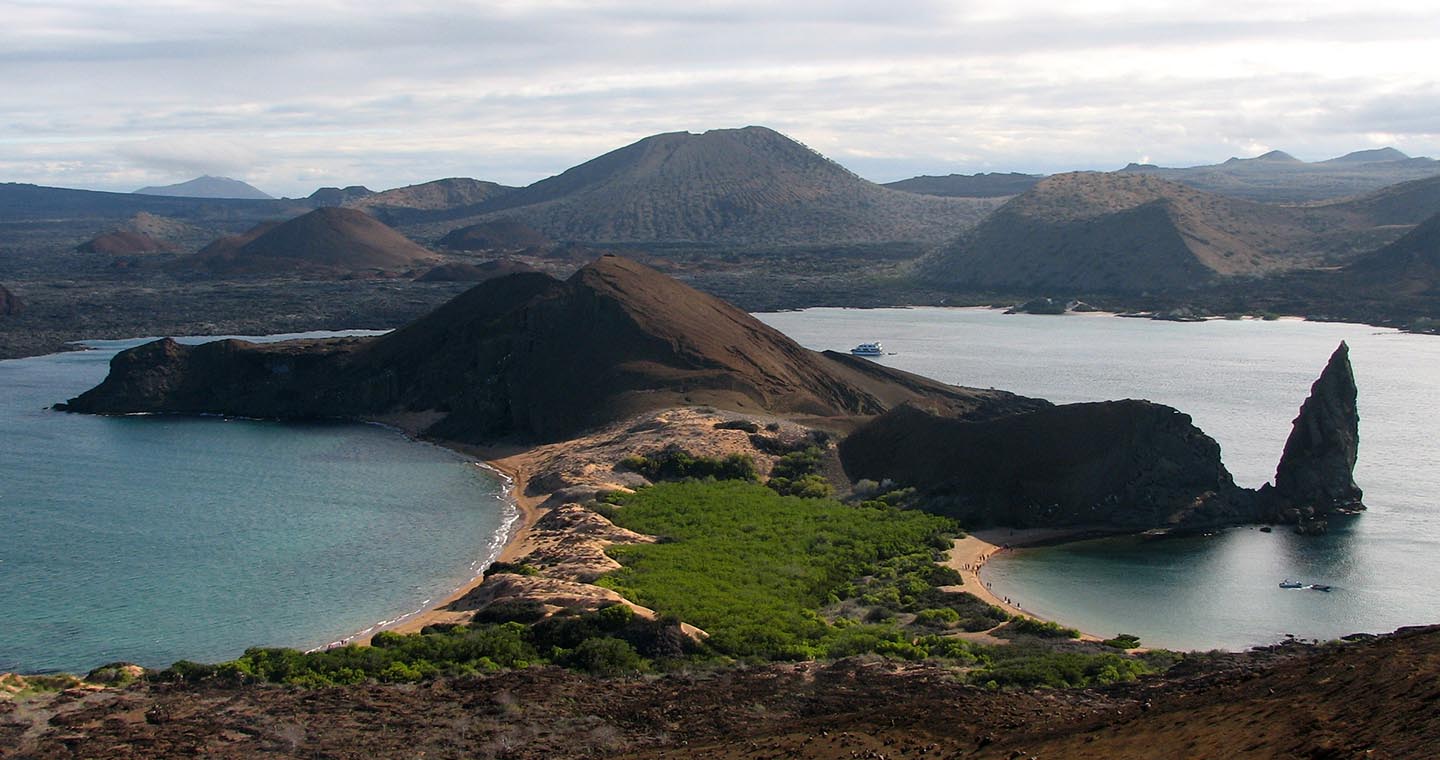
{"type": "Point", "coordinates": [1123, 641]}
{"type": "Point", "coordinates": [1044, 629]}
{"type": "Point", "coordinates": [677, 464]}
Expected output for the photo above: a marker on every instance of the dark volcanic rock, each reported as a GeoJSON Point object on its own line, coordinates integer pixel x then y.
{"type": "Point", "coordinates": [1316, 472]}
{"type": "Point", "coordinates": [498, 235]}
{"type": "Point", "coordinates": [1116, 464]}
{"type": "Point", "coordinates": [10, 304]}
{"type": "Point", "coordinates": [530, 356]}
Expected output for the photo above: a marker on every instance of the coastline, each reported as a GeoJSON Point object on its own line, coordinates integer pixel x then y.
{"type": "Point", "coordinates": [969, 554]}
{"type": "Point", "coordinates": [513, 464]}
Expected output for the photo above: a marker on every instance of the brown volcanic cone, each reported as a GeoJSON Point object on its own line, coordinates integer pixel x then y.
{"type": "Point", "coordinates": [532, 356]}
{"type": "Point", "coordinates": [123, 243]}
{"type": "Point", "coordinates": [1088, 231]}
{"type": "Point", "coordinates": [326, 239]}
{"type": "Point", "coordinates": [741, 186]}
{"type": "Point", "coordinates": [459, 271]}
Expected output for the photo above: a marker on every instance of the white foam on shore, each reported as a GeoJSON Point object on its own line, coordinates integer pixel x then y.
{"type": "Point", "coordinates": [508, 525]}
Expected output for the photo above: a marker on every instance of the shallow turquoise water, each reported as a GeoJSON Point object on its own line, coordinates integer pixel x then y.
{"type": "Point", "coordinates": [1242, 382]}
{"type": "Point", "coordinates": [152, 539]}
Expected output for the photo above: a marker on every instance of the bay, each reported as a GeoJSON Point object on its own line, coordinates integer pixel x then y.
{"type": "Point", "coordinates": [1242, 382]}
{"type": "Point", "coordinates": [157, 538]}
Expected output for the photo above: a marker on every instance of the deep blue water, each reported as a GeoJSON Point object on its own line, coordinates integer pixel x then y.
{"type": "Point", "coordinates": [1242, 382]}
{"type": "Point", "coordinates": [152, 539]}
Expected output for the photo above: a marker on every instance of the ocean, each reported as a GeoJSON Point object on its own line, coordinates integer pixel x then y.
{"type": "Point", "coordinates": [151, 539]}
{"type": "Point", "coordinates": [1242, 382]}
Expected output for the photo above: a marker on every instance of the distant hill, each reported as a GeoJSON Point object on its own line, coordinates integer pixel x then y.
{"type": "Point", "coordinates": [1279, 177]}
{"type": "Point", "coordinates": [984, 185]}
{"type": "Point", "coordinates": [1409, 266]}
{"type": "Point", "coordinates": [441, 198]}
{"type": "Point", "coordinates": [146, 233]}
{"type": "Point", "coordinates": [207, 187]}
{"type": "Point", "coordinates": [331, 240]}
{"type": "Point", "coordinates": [338, 196]}
{"type": "Point", "coordinates": [733, 186]}
{"type": "Point", "coordinates": [502, 234]}
{"type": "Point", "coordinates": [1093, 232]}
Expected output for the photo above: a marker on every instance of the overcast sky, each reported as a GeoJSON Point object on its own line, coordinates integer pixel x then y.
{"type": "Point", "coordinates": [291, 96]}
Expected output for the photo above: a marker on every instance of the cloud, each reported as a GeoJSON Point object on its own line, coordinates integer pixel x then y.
{"type": "Point", "coordinates": [287, 96]}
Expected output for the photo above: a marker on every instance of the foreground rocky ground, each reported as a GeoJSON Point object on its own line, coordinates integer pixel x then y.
{"type": "Point", "coordinates": [1372, 698]}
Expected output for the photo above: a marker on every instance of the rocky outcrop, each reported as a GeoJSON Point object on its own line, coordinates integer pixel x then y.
{"type": "Point", "coordinates": [533, 357]}
{"type": "Point", "coordinates": [10, 304]}
{"type": "Point", "coordinates": [1315, 477]}
{"type": "Point", "coordinates": [1119, 465]}
{"type": "Point", "coordinates": [1123, 465]}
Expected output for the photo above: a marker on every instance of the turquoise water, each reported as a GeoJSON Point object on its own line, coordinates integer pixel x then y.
{"type": "Point", "coordinates": [1242, 382]}
{"type": "Point", "coordinates": [152, 539]}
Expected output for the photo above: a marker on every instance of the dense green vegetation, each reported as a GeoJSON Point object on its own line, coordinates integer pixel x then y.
{"type": "Point", "coordinates": [754, 568]}
{"type": "Point", "coordinates": [1041, 628]}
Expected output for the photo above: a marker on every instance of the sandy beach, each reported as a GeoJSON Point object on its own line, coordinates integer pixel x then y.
{"type": "Point", "coordinates": [969, 555]}
{"type": "Point", "coordinates": [515, 464]}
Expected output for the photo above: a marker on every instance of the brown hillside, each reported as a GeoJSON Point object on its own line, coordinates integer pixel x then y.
{"type": "Point", "coordinates": [741, 186]}
{"type": "Point", "coordinates": [324, 240]}
{"type": "Point", "coordinates": [534, 357]}
{"type": "Point", "coordinates": [1132, 232]}
{"type": "Point", "coordinates": [1408, 267]}
{"type": "Point", "coordinates": [1371, 699]}
{"type": "Point", "coordinates": [123, 243]}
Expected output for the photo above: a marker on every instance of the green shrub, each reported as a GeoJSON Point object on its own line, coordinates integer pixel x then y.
{"type": "Point", "coordinates": [1042, 628]}
{"type": "Point", "coordinates": [1123, 641]}
{"type": "Point", "coordinates": [605, 657]}
{"type": "Point", "coordinates": [513, 568]}
{"type": "Point", "coordinates": [940, 616]}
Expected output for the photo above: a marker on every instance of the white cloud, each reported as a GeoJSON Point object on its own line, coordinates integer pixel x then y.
{"type": "Point", "coordinates": [289, 96]}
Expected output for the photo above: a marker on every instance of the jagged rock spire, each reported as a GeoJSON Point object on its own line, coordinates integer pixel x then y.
{"type": "Point", "coordinates": [1316, 473]}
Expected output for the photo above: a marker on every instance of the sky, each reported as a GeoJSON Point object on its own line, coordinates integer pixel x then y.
{"type": "Point", "coordinates": [295, 96]}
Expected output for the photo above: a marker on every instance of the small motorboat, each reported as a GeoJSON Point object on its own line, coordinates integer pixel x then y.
{"type": "Point", "coordinates": [869, 349]}
{"type": "Point", "coordinates": [1319, 587]}
{"type": "Point", "coordinates": [1287, 583]}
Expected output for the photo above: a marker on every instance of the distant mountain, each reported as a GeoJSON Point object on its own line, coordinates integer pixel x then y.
{"type": "Point", "coordinates": [333, 240]}
{"type": "Point", "coordinates": [1097, 232]}
{"type": "Point", "coordinates": [24, 202]}
{"type": "Point", "coordinates": [207, 187]}
{"type": "Point", "coordinates": [498, 235]}
{"type": "Point", "coordinates": [146, 233]}
{"type": "Point", "coordinates": [984, 185]}
{"type": "Point", "coordinates": [1279, 177]}
{"type": "Point", "coordinates": [733, 186]}
{"type": "Point", "coordinates": [1378, 155]}
{"type": "Point", "coordinates": [338, 196]}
